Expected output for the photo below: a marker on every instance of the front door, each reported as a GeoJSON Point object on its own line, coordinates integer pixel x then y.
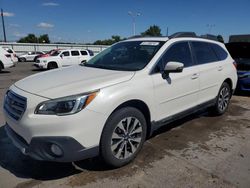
{"type": "Point", "coordinates": [179, 92]}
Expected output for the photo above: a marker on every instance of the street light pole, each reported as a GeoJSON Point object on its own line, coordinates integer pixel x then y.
{"type": "Point", "coordinates": [4, 34]}
{"type": "Point", "coordinates": [133, 16]}
{"type": "Point", "coordinates": [210, 26]}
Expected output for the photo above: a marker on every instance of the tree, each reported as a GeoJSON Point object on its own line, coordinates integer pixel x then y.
{"type": "Point", "coordinates": [152, 31]}
{"type": "Point", "coordinates": [114, 39]}
{"type": "Point", "coordinates": [31, 38]}
{"type": "Point", "coordinates": [44, 38]}
{"type": "Point", "coordinates": [220, 38]}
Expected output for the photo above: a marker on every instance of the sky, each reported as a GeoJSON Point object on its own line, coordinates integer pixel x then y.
{"type": "Point", "coordinates": [83, 21]}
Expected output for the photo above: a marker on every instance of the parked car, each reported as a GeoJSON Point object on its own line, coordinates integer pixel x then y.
{"type": "Point", "coordinates": [5, 59]}
{"type": "Point", "coordinates": [13, 55]}
{"type": "Point", "coordinates": [62, 58]}
{"type": "Point", "coordinates": [240, 51]}
{"type": "Point", "coordinates": [30, 56]}
{"type": "Point", "coordinates": [49, 53]}
{"type": "Point", "coordinates": [112, 103]}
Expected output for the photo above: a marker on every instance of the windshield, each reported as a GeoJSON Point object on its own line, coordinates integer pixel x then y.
{"type": "Point", "coordinates": [56, 53]}
{"type": "Point", "coordinates": [126, 56]}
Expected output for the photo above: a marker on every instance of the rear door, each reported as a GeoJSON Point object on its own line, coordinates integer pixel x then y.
{"type": "Point", "coordinates": [75, 57]}
{"type": "Point", "coordinates": [210, 70]}
{"type": "Point", "coordinates": [180, 91]}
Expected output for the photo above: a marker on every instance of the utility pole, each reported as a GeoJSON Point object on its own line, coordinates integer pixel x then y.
{"type": "Point", "coordinates": [134, 15]}
{"type": "Point", "coordinates": [4, 34]}
{"type": "Point", "coordinates": [167, 31]}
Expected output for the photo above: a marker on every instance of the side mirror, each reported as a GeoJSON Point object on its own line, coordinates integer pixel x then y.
{"type": "Point", "coordinates": [61, 55]}
{"type": "Point", "coordinates": [172, 67]}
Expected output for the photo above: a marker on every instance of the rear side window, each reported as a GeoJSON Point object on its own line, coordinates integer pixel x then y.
{"type": "Point", "coordinates": [204, 53]}
{"type": "Point", "coordinates": [220, 52]}
{"type": "Point", "coordinates": [75, 53]}
{"type": "Point", "coordinates": [179, 52]}
{"type": "Point", "coordinates": [66, 53]}
{"type": "Point", "coordinates": [84, 53]}
{"type": "Point", "coordinates": [91, 53]}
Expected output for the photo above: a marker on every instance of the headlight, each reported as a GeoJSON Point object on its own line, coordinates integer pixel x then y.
{"type": "Point", "coordinates": [65, 105]}
{"type": "Point", "coordinates": [45, 61]}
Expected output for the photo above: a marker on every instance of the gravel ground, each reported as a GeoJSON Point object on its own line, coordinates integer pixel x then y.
{"type": "Point", "coordinates": [198, 151]}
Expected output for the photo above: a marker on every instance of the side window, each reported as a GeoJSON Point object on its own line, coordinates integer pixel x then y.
{"type": "Point", "coordinates": [75, 53]}
{"type": "Point", "coordinates": [84, 53]}
{"type": "Point", "coordinates": [204, 53]}
{"type": "Point", "coordinates": [220, 52]}
{"type": "Point", "coordinates": [91, 53]}
{"type": "Point", "coordinates": [179, 52]}
{"type": "Point", "coordinates": [66, 53]}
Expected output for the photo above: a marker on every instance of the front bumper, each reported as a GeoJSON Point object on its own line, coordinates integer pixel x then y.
{"type": "Point", "coordinates": [40, 147]}
{"type": "Point", "coordinates": [40, 65]}
{"type": "Point", "coordinates": [83, 130]}
{"type": "Point", "coordinates": [243, 81]}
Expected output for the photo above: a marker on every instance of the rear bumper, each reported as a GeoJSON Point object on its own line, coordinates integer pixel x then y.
{"type": "Point", "coordinates": [40, 147]}
{"type": "Point", "coordinates": [243, 84]}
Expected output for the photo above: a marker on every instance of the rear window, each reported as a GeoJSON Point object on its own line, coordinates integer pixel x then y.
{"type": "Point", "coordinates": [220, 52]}
{"type": "Point", "coordinates": [91, 53]}
{"type": "Point", "coordinates": [239, 49]}
{"type": "Point", "coordinates": [84, 52]}
{"type": "Point", "coordinates": [75, 53]}
{"type": "Point", "coordinates": [204, 53]}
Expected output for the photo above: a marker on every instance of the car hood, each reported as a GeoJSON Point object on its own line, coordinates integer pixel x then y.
{"type": "Point", "coordinates": [71, 80]}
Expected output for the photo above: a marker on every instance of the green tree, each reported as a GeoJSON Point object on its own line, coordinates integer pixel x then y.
{"type": "Point", "coordinates": [220, 38]}
{"type": "Point", "coordinates": [152, 31]}
{"type": "Point", "coordinates": [114, 39]}
{"type": "Point", "coordinates": [44, 38]}
{"type": "Point", "coordinates": [30, 38]}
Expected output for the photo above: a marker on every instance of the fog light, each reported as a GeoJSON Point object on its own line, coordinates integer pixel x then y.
{"type": "Point", "coordinates": [56, 150]}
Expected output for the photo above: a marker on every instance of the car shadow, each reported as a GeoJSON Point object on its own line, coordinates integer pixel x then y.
{"type": "Point", "coordinates": [23, 166]}
{"type": "Point", "coordinates": [38, 70]}
{"type": "Point", "coordinates": [4, 72]}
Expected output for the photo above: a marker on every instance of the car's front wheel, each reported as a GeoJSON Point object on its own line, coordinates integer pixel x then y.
{"type": "Point", "coordinates": [223, 99]}
{"type": "Point", "coordinates": [123, 136]}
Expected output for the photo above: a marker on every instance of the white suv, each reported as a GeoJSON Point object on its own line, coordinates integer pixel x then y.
{"type": "Point", "coordinates": [5, 59]}
{"type": "Point", "coordinates": [63, 58]}
{"type": "Point", "coordinates": [111, 104]}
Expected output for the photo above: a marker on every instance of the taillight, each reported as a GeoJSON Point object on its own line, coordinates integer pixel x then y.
{"type": "Point", "coordinates": [8, 55]}
{"type": "Point", "coordinates": [235, 64]}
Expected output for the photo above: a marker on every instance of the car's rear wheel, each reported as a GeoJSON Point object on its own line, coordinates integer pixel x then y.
{"type": "Point", "coordinates": [22, 59]}
{"type": "Point", "coordinates": [52, 65]}
{"type": "Point", "coordinates": [123, 136]}
{"type": "Point", "coordinates": [222, 100]}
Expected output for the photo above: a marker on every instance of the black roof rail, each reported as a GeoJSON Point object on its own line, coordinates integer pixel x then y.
{"type": "Point", "coordinates": [210, 37]}
{"type": "Point", "coordinates": [183, 34]}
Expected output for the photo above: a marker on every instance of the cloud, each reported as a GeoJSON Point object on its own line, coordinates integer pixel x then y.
{"type": "Point", "coordinates": [8, 14]}
{"type": "Point", "coordinates": [52, 4]}
{"type": "Point", "coordinates": [17, 34]}
{"type": "Point", "coordinates": [44, 25]}
{"type": "Point", "coordinates": [14, 25]}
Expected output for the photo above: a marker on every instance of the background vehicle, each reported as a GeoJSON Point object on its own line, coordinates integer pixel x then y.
{"type": "Point", "coordinates": [63, 58]}
{"type": "Point", "coordinates": [240, 51]}
{"type": "Point", "coordinates": [5, 59]}
{"type": "Point", "coordinates": [111, 103]}
{"type": "Point", "coordinates": [13, 54]}
{"type": "Point", "coordinates": [46, 54]}
{"type": "Point", "coordinates": [30, 56]}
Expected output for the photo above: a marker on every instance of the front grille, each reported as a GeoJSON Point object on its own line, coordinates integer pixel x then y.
{"type": "Point", "coordinates": [14, 105]}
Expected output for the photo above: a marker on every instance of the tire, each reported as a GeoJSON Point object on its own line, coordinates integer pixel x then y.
{"type": "Point", "coordinates": [222, 100]}
{"type": "Point", "coordinates": [120, 145]}
{"type": "Point", "coordinates": [52, 65]}
{"type": "Point", "coordinates": [22, 59]}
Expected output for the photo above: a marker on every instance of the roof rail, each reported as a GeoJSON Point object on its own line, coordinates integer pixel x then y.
{"type": "Point", "coordinates": [210, 37]}
{"type": "Point", "coordinates": [183, 34]}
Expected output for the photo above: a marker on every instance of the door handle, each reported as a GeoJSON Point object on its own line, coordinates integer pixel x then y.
{"type": "Point", "coordinates": [220, 68]}
{"type": "Point", "coordinates": [195, 76]}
